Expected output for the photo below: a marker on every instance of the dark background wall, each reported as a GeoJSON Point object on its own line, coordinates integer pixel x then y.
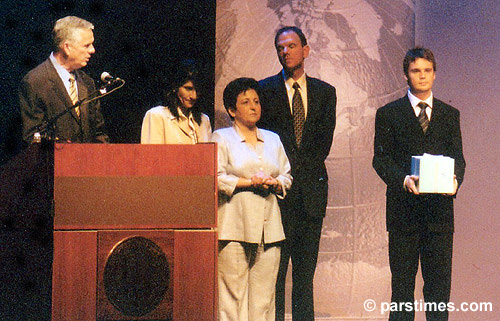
{"type": "Point", "coordinates": [139, 41]}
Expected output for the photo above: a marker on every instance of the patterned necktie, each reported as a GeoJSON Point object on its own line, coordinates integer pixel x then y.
{"type": "Point", "coordinates": [299, 116]}
{"type": "Point", "coordinates": [73, 94]}
{"type": "Point", "coordinates": [422, 117]}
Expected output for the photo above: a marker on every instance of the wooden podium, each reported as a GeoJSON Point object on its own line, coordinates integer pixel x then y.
{"type": "Point", "coordinates": [134, 232]}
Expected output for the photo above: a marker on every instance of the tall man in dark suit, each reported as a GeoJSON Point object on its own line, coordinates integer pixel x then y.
{"type": "Point", "coordinates": [420, 226]}
{"type": "Point", "coordinates": [301, 109]}
{"type": "Point", "coordinates": [57, 83]}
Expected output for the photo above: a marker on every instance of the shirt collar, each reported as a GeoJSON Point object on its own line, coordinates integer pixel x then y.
{"type": "Point", "coordinates": [61, 71]}
{"type": "Point", "coordinates": [260, 137]}
{"type": "Point", "coordinates": [289, 81]}
{"type": "Point", "coordinates": [181, 115]}
{"type": "Point", "coordinates": [415, 100]}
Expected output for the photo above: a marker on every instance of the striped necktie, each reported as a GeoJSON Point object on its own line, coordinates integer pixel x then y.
{"type": "Point", "coordinates": [422, 117]}
{"type": "Point", "coordinates": [73, 94]}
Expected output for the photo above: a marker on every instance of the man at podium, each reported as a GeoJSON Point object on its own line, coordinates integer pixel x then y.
{"type": "Point", "coordinates": [26, 239]}
{"type": "Point", "coordinates": [57, 84]}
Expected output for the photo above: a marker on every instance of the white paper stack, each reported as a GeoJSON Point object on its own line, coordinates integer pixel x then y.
{"type": "Point", "coordinates": [435, 173]}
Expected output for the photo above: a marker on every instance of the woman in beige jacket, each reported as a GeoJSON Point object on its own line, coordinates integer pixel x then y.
{"type": "Point", "coordinates": [253, 172]}
{"type": "Point", "coordinates": [180, 121]}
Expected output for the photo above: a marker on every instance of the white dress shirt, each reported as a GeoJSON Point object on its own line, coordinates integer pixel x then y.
{"type": "Point", "coordinates": [63, 74]}
{"type": "Point", "coordinates": [414, 101]}
{"type": "Point", "coordinates": [290, 91]}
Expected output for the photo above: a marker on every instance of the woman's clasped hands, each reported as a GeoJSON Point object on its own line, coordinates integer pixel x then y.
{"type": "Point", "coordinates": [265, 183]}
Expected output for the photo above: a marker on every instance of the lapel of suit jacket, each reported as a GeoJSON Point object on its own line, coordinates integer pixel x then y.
{"type": "Point", "coordinates": [182, 130]}
{"type": "Point", "coordinates": [59, 89]}
{"type": "Point", "coordinates": [313, 106]}
{"type": "Point", "coordinates": [82, 94]}
{"type": "Point", "coordinates": [285, 113]}
{"type": "Point", "coordinates": [436, 116]}
{"type": "Point", "coordinates": [313, 111]}
{"type": "Point", "coordinates": [407, 115]}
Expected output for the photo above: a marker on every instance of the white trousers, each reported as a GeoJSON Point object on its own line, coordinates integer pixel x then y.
{"type": "Point", "coordinates": [247, 275]}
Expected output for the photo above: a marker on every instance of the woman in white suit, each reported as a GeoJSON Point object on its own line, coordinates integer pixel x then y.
{"type": "Point", "coordinates": [253, 171]}
{"type": "Point", "coordinates": [179, 121]}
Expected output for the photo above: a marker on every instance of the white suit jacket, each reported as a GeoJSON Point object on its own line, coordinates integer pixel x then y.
{"type": "Point", "coordinates": [246, 216]}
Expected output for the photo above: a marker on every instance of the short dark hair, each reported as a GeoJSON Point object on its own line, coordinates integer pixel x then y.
{"type": "Point", "coordinates": [418, 52]}
{"type": "Point", "coordinates": [235, 88]}
{"type": "Point", "coordinates": [185, 71]}
{"type": "Point", "coordinates": [297, 30]}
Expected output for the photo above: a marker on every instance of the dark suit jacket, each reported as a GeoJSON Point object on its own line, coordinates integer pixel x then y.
{"type": "Point", "coordinates": [310, 179]}
{"type": "Point", "coordinates": [42, 95]}
{"type": "Point", "coordinates": [398, 137]}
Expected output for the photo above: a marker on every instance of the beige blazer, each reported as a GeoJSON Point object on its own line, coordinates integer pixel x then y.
{"type": "Point", "coordinates": [245, 216]}
{"type": "Point", "coordinates": [161, 127]}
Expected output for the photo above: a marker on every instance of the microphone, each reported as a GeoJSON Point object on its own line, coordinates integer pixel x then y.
{"type": "Point", "coordinates": [108, 79]}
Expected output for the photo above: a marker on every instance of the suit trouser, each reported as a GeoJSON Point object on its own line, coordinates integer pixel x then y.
{"type": "Point", "coordinates": [435, 253]}
{"type": "Point", "coordinates": [303, 234]}
{"type": "Point", "coordinates": [247, 279]}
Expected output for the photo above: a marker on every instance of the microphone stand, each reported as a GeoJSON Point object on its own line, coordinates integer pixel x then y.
{"type": "Point", "coordinates": [47, 130]}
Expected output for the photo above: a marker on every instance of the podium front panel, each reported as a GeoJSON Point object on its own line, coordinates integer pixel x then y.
{"type": "Point", "coordinates": [119, 186]}
{"type": "Point", "coordinates": [135, 275]}
{"type": "Point", "coordinates": [134, 232]}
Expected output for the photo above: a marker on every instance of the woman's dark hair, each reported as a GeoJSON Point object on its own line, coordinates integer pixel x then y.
{"type": "Point", "coordinates": [236, 87]}
{"type": "Point", "coordinates": [185, 71]}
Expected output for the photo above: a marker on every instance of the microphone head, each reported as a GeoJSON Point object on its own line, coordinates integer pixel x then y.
{"type": "Point", "coordinates": [105, 76]}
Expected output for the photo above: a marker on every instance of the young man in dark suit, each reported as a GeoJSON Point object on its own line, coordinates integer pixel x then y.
{"type": "Point", "coordinates": [57, 83]}
{"type": "Point", "coordinates": [420, 226]}
{"type": "Point", "coordinates": [301, 110]}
